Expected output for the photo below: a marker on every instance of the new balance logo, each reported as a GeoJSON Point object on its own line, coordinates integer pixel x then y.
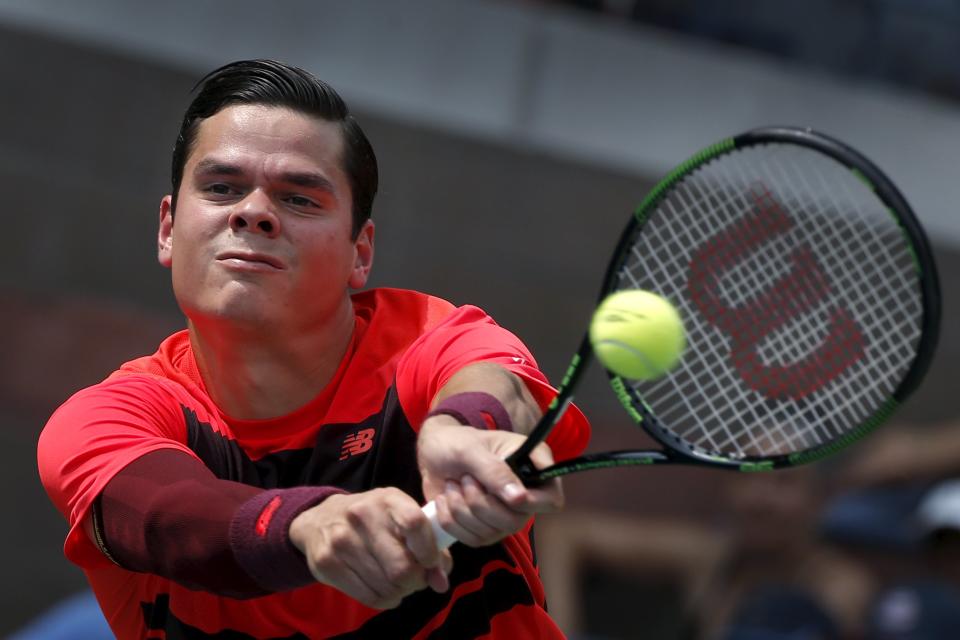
{"type": "Point", "coordinates": [356, 443]}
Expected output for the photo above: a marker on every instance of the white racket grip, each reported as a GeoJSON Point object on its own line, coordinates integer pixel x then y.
{"type": "Point", "coordinates": [444, 539]}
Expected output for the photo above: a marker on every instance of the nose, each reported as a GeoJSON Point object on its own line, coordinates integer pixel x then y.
{"type": "Point", "coordinates": [255, 214]}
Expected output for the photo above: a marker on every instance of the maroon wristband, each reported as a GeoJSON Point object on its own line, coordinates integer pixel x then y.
{"type": "Point", "coordinates": [475, 408]}
{"type": "Point", "coordinates": [259, 536]}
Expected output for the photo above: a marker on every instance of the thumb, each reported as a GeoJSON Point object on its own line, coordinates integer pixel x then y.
{"type": "Point", "coordinates": [437, 576]}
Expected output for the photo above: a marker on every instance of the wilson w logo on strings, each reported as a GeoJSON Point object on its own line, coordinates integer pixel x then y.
{"type": "Point", "coordinates": [804, 288]}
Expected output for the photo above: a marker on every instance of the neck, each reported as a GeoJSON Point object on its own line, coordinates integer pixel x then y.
{"type": "Point", "coordinates": [258, 373]}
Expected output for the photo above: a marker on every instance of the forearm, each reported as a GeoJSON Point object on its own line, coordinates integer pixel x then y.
{"type": "Point", "coordinates": [478, 498]}
{"type": "Point", "coordinates": [508, 389]}
{"type": "Point", "coordinates": [168, 515]}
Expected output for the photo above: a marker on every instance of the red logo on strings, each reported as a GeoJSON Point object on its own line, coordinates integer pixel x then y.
{"type": "Point", "coordinates": [356, 443]}
{"type": "Point", "coordinates": [794, 294]}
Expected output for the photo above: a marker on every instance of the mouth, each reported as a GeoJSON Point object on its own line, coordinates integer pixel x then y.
{"type": "Point", "coordinates": [250, 260]}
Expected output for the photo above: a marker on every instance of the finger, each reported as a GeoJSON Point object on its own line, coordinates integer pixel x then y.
{"type": "Point", "coordinates": [389, 544]}
{"type": "Point", "coordinates": [416, 532]}
{"type": "Point", "coordinates": [397, 567]}
{"type": "Point", "coordinates": [546, 498]}
{"type": "Point", "coordinates": [496, 477]}
{"type": "Point", "coordinates": [454, 516]}
{"type": "Point", "coordinates": [445, 518]}
{"type": "Point", "coordinates": [371, 570]}
{"type": "Point", "coordinates": [490, 510]}
{"type": "Point", "coordinates": [377, 598]}
{"type": "Point", "coordinates": [340, 573]}
{"type": "Point", "coordinates": [438, 580]}
{"type": "Point", "coordinates": [484, 515]}
{"type": "Point", "coordinates": [541, 456]}
{"type": "Point", "coordinates": [377, 551]}
{"type": "Point", "coordinates": [438, 577]}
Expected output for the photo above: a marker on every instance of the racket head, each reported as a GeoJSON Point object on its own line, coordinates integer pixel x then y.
{"type": "Point", "coordinates": [809, 294]}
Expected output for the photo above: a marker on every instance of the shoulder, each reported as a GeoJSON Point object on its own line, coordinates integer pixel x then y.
{"type": "Point", "coordinates": [135, 387]}
{"type": "Point", "coordinates": [122, 404]}
{"type": "Point", "coordinates": [172, 360]}
{"type": "Point", "coordinates": [391, 321]}
{"type": "Point", "coordinates": [145, 393]}
{"type": "Point", "coordinates": [402, 307]}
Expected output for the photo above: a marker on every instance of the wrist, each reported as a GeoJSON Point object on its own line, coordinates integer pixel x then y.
{"type": "Point", "coordinates": [262, 537]}
{"type": "Point", "coordinates": [474, 408]}
{"type": "Point", "coordinates": [301, 525]}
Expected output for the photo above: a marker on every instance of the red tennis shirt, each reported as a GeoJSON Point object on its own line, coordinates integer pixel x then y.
{"type": "Point", "coordinates": [357, 434]}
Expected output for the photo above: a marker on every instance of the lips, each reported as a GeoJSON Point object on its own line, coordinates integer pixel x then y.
{"type": "Point", "coordinates": [251, 258]}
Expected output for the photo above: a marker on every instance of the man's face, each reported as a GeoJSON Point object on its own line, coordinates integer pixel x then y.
{"type": "Point", "coordinates": [262, 233]}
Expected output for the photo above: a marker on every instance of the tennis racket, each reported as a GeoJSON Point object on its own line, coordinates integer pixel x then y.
{"type": "Point", "coordinates": [809, 297]}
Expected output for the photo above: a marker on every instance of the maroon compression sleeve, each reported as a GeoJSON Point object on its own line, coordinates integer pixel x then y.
{"type": "Point", "coordinates": [167, 514]}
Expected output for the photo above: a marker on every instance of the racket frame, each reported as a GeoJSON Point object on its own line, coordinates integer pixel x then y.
{"type": "Point", "coordinates": [676, 450]}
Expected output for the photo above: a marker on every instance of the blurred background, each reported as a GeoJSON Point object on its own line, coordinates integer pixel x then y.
{"type": "Point", "coordinates": [514, 137]}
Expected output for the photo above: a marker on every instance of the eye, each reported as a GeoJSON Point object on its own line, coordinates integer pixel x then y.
{"type": "Point", "coordinates": [301, 201]}
{"type": "Point", "coordinates": [219, 189]}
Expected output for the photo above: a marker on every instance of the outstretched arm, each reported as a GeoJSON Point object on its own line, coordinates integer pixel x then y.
{"type": "Point", "coordinates": [167, 514]}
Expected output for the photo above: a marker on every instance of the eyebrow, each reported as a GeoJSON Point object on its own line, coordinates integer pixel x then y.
{"type": "Point", "coordinates": [306, 179]}
{"type": "Point", "coordinates": [210, 166]}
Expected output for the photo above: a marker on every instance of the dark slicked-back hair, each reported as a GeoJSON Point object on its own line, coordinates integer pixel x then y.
{"type": "Point", "coordinates": [271, 83]}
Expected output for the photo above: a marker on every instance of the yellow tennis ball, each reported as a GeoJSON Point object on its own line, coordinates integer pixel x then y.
{"type": "Point", "coordinates": [637, 334]}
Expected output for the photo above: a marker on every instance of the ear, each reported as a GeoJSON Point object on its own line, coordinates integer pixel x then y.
{"type": "Point", "coordinates": [165, 233]}
{"type": "Point", "coordinates": [363, 256]}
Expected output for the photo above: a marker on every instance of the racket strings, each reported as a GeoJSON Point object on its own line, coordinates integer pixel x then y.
{"type": "Point", "coordinates": [724, 433]}
{"type": "Point", "coordinates": [810, 328]}
{"type": "Point", "coordinates": [855, 262]}
{"type": "Point", "coordinates": [855, 266]}
{"type": "Point", "coordinates": [864, 266]}
{"type": "Point", "coordinates": [757, 379]}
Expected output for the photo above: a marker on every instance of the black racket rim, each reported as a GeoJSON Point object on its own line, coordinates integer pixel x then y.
{"type": "Point", "coordinates": [680, 451]}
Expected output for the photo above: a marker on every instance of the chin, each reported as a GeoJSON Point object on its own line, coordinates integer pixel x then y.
{"type": "Point", "coordinates": [237, 308]}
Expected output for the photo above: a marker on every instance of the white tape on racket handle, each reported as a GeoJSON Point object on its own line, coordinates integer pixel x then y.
{"type": "Point", "coordinates": [444, 539]}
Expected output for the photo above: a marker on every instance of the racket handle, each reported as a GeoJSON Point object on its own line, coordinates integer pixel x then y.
{"type": "Point", "coordinates": [444, 539]}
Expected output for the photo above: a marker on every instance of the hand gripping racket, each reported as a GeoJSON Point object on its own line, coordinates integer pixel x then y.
{"type": "Point", "coordinates": [809, 296]}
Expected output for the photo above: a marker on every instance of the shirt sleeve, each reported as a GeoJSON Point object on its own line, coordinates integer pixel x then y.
{"type": "Point", "coordinates": [94, 435]}
{"type": "Point", "coordinates": [467, 336]}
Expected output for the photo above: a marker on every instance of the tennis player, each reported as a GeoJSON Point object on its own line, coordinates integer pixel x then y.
{"type": "Point", "coordinates": [261, 474]}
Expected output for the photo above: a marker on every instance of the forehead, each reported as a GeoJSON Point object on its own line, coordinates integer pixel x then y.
{"type": "Point", "coordinates": [272, 135]}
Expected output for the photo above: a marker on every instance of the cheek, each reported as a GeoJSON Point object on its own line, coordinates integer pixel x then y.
{"type": "Point", "coordinates": [191, 246]}
{"type": "Point", "coordinates": [193, 234]}
{"type": "Point", "coordinates": [183, 271]}
{"type": "Point", "coordinates": [326, 253]}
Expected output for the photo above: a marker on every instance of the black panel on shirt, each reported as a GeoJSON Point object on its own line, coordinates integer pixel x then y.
{"type": "Point", "coordinates": [470, 615]}
{"type": "Point", "coordinates": [468, 618]}
{"type": "Point", "coordinates": [158, 618]}
{"type": "Point", "coordinates": [390, 462]}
